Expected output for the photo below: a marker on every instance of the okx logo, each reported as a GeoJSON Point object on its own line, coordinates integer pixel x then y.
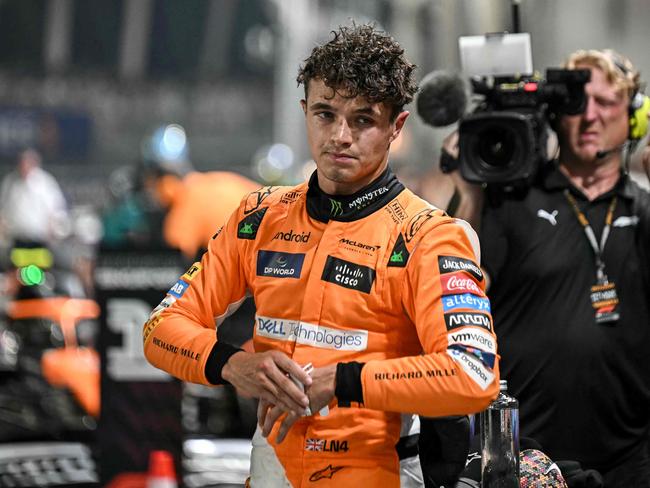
{"type": "Point", "coordinates": [348, 275]}
{"type": "Point", "coordinates": [279, 264]}
{"type": "Point", "coordinates": [336, 208]}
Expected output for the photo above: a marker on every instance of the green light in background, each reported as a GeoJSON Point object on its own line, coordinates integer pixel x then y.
{"type": "Point", "coordinates": [31, 275]}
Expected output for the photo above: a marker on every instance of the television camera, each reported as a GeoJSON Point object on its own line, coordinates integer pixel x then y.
{"type": "Point", "coordinates": [503, 141]}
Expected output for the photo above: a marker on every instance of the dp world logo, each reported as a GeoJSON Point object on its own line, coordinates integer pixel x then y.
{"type": "Point", "coordinates": [279, 264]}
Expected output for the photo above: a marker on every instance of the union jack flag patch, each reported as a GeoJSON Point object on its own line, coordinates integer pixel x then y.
{"type": "Point", "coordinates": [314, 444]}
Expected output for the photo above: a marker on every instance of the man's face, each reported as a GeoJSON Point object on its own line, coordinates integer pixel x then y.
{"type": "Point", "coordinates": [349, 138]}
{"type": "Point", "coordinates": [27, 161]}
{"type": "Point", "coordinates": [602, 126]}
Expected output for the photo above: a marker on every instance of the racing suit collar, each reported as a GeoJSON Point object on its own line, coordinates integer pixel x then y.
{"type": "Point", "coordinates": [347, 208]}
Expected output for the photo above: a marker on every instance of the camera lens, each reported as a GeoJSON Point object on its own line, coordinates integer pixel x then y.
{"type": "Point", "coordinates": [496, 145]}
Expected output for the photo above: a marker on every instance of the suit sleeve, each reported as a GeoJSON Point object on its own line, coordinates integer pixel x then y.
{"type": "Point", "coordinates": [180, 335]}
{"type": "Point", "coordinates": [444, 296]}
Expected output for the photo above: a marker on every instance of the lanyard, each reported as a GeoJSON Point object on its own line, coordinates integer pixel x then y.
{"type": "Point", "coordinates": [591, 237]}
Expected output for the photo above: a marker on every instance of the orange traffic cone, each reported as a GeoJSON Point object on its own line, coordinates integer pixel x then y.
{"type": "Point", "coordinates": [161, 470]}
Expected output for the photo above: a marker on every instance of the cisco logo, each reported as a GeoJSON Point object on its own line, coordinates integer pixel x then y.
{"type": "Point", "coordinates": [348, 275]}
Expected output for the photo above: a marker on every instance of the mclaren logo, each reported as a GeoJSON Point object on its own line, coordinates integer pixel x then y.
{"type": "Point", "coordinates": [357, 244]}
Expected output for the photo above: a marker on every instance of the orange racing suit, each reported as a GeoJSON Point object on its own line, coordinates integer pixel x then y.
{"type": "Point", "coordinates": [379, 282]}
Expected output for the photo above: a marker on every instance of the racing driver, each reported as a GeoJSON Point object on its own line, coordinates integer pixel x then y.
{"type": "Point", "coordinates": [353, 275]}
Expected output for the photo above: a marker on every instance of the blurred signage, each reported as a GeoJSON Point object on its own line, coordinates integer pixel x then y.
{"type": "Point", "coordinates": [57, 133]}
{"type": "Point", "coordinates": [141, 405]}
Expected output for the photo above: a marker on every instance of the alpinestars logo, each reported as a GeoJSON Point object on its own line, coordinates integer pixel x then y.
{"type": "Point", "coordinates": [325, 473]}
{"type": "Point", "coordinates": [348, 275]}
{"type": "Point", "coordinates": [255, 199]}
{"type": "Point", "coordinates": [279, 264]}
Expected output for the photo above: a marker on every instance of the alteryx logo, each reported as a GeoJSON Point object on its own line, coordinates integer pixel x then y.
{"type": "Point", "coordinates": [466, 300]}
{"type": "Point", "coordinates": [179, 288]}
{"type": "Point", "coordinates": [279, 264]}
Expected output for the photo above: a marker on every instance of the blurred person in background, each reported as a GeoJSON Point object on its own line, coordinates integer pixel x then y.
{"type": "Point", "coordinates": [32, 205]}
{"type": "Point", "coordinates": [171, 204]}
{"type": "Point", "coordinates": [350, 273]}
{"type": "Point", "coordinates": [569, 280]}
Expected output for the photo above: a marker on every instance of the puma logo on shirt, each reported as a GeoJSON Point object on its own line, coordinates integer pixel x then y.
{"type": "Point", "coordinates": [548, 216]}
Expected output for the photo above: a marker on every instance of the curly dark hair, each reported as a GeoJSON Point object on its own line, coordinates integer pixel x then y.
{"type": "Point", "coordinates": [362, 61]}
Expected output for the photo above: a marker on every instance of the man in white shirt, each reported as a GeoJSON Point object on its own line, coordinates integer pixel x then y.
{"type": "Point", "coordinates": [32, 205]}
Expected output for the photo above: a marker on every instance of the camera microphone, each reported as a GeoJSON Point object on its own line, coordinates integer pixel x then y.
{"type": "Point", "coordinates": [442, 98]}
{"type": "Point", "coordinates": [603, 153]}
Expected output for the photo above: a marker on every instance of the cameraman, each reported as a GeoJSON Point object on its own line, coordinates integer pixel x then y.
{"type": "Point", "coordinates": [571, 305]}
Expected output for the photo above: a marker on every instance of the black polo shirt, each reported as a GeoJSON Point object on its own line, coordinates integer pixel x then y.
{"type": "Point", "coordinates": [584, 388]}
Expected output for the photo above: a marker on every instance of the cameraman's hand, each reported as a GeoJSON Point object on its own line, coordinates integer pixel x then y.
{"type": "Point", "coordinates": [450, 144]}
{"type": "Point", "coordinates": [470, 204]}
